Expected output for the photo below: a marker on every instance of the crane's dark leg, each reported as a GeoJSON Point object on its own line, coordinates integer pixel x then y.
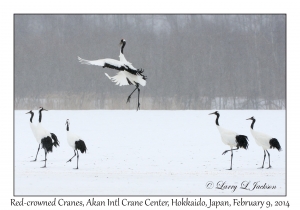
{"type": "Point", "coordinates": [231, 156]}
{"type": "Point", "coordinates": [45, 159]}
{"type": "Point", "coordinates": [72, 157]}
{"type": "Point", "coordinates": [269, 159]}
{"type": "Point", "coordinates": [231, 161]}
{"type": "Point", "coordinates": [138, 107]}
{"type": "Point", "coordinates": [136, 87]}
{"type": "Point", "coordinates": [77, 159]}
{"type": "Point", "coordinates": [264, 159]}
{"type": "Point", "coordinates": [36, 153]}
{"type": "Point", "coordinates": [228, 151]}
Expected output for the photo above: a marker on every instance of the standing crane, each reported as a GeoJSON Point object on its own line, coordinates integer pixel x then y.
{"type": "Point", "coordinates": [264, 140]}
{"type": "Point", "coordinates": [75, 142]}
{"type": "Point", "coordinates": [231, 138]}
{"type": "Point", "coordinates": [46, 139]}
{"type": "Point", "coordinates": [33, 129]}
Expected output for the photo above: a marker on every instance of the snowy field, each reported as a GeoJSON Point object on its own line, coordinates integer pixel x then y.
{"type": "Point", "coordinates": [149, 153]}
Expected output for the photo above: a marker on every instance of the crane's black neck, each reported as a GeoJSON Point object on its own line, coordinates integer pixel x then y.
{"type": "Point", "coordinates": [252, 124]}
{"type": "Point", "coordinates": [40, 116]}
{"type": "Point", "coordinates": [217, 119]}
{"type": "Point", "coordinates": [123, 45]}
{"type": "Point", "coordinates": [31, 116]}
{"type": "Point", "coordinates": [67, 126]}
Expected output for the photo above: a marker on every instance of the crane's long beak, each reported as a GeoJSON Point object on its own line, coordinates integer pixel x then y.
{"type": "Point", "coordinates": [28, 112]}
{"type": "Point", "coordinates": [211, 113]}
{"type": "Point", "coordinates": [45, 109]}
{"type": "Point", "coordinates": [249, 118]}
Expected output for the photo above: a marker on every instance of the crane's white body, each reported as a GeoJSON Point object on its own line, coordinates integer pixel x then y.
{"type": "Point", "coordinates": [261, 139]}
{"type": "Point", "coordinates": [71, 138]}
{"type": "Point", "coordinates": [41, 132]}
{"type": "Point", "coordinates": [122, 76]}
{"type": "Point", "coordinates": [228, 137]}
{"type": "Point", "coordinates": [34, 131]}
{"type": "Point", "coordinates": [125, 62]}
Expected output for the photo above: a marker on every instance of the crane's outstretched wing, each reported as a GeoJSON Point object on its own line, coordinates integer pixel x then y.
{"type": "Point", "coordinates": [107, 62]}
{"type": "Point", "coordinates": [111, 63]}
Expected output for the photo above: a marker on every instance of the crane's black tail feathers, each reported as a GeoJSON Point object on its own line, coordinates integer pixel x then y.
{"type": "Point", "coordinates": [55, 140]}
{"type": "Point", "coordinates": [242, 141]}
{"type": "Point", "coordinates": [47, 144]}
{"type": "Point", "coordinates": [275, 144]}
{"type": "Point", "coordinates": [80, 145]}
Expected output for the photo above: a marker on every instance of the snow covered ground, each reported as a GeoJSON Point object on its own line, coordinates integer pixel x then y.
{"type": "Point", "coordinates": [149, 153]}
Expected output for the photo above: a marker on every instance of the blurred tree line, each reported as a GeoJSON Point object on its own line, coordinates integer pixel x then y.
{"type": "Point", "coordinates": [191, 61]}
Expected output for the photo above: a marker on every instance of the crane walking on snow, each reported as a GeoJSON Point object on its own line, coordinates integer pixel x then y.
{"type": "Point", "coordinates": [231, 138]}
{"type": "Point", "coordinates": [265, 141]}
{"type": "Point", "coordinates": [127, 75]}
{"type": "Point", "coordinates": [75, 142]}
{"type": "Point", "coordinates": [45, 138]}
{"type": "Point", "coordinates": [33, 129]}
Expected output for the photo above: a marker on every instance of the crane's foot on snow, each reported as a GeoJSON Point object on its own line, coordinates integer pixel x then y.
{"type": "Point", "coordinates": [33, 160]}
{"type": "Point", "coordinates": [269, 167]}
{"type": "Point", "coordinates": [138, 107]}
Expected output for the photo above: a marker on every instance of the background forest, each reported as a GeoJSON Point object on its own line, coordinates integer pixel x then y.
{"type": "Point", "coordinates": [191, 61]}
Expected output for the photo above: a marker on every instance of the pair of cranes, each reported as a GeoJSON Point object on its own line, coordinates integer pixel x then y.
{"type": "Point", "coordinates": [44, 138]}
{"type": "Point", "coordinates": [47, 140]}
{"type": "Point", "coordinates": [233, 139]}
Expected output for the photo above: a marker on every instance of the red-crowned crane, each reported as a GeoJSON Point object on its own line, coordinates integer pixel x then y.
{"type": "Point", "coordinates": [33, 129]}
{"type": "Point", "coordinates": [75, 142]}
{"type": "Point", "coordinates": [231, 138]}
{"type": "Point", "coordinates": [265, 141]}
{"type": "Point", "coordinates": [46, 139]}
{"type": "Point", "coordinates": [127, 75]}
